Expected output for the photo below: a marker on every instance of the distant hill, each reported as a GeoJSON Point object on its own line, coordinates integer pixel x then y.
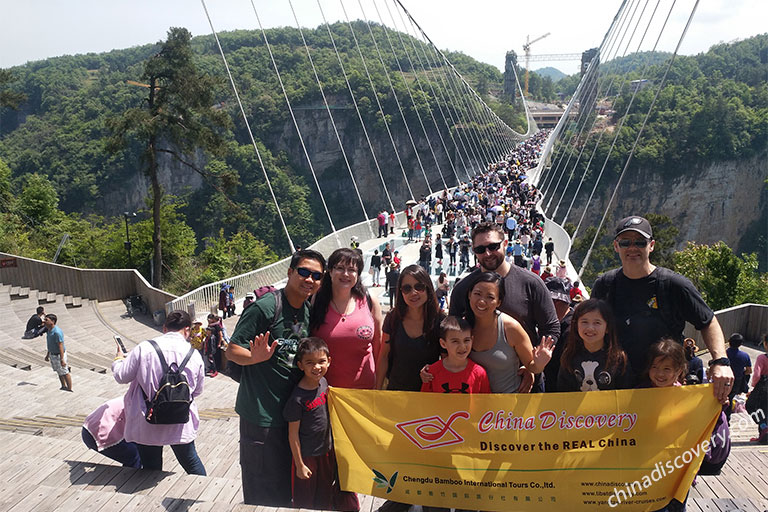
{"type": "Point", "coordinates": [553, 73]}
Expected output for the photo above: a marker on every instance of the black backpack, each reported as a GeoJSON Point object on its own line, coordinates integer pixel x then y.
{"type": "Point", "coordinates": [669, 314]}
{"type": "Point", "coordinates": [170, 404]}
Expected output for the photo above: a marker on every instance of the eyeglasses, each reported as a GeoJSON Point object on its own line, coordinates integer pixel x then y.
{"type": "Point", "coordinates": [345, 270]}
{"type": "Point", "coordinates": [305, 273]}
{"type": "Point", "coordinates": [624, 243]}
{"type": "Point", "coordinates": [419, 287]}
{"type": "Point", "coordinates": [480, 249]}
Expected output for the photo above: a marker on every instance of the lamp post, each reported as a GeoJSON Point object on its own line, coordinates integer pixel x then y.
{"type": "Point", "coordinates": [127, 242]}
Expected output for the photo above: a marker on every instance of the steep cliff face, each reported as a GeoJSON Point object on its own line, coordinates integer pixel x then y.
{"type": "Point", "coordinates": [719, 201]}
{"type": "Point", "coordinates": [333, 175]}
{"type": "Point", "coordinates": [176, 179]}
{"type": "Point", "coordinates": [329, 165]}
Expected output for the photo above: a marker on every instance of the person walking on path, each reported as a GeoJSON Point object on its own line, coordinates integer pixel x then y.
{"type": "Point", "coordinates": [143, 369]}
{"type": "Point", "coordinates": [382, 218]}
{"type": "Point", "coordinates": [741, 365]}
{"type": "Point", "coordinates": [56, 353]}
{"type": "Point", "coordinates": [375, 267]}
{"type": "Point", "coordinates": [425, 255]}
{"type": "Point", "coordinates": [549, 248]}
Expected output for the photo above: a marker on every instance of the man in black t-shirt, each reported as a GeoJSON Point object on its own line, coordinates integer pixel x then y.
{"type": "Point", "coordinates": [386, 255]}
{"type": "Point", "coordinates": [35, 326]}
{"type": "Point", "coordinates": [652, 302]}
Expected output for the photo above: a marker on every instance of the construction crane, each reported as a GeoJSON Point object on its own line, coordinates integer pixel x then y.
{"type": "Point", "coordinates": [527, 49]}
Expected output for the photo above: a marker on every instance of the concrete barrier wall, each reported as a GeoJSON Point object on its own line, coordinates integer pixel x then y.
{"type": "Point", "coordinates": [751, 320]}
{"type": "Point", "coordinates": [98, 284]}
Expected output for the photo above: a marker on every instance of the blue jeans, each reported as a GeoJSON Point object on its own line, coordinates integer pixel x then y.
{"type": "Point", "coordinates": [123, 452]}
{"type": "Point", "coordinates": [152, 457]}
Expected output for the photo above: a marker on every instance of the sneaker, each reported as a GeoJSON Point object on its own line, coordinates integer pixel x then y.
{"type": "Point", "coordinates": [211, 374]}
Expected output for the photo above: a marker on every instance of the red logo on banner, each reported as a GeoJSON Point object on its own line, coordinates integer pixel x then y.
{"type": "Point", "coordinates": [432, 432]}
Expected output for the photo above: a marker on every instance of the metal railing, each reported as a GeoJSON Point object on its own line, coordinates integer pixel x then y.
{"type": "Point", "coordinates": [206, 298]}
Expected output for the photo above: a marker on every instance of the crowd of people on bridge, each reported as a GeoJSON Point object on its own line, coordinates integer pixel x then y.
{"type": "Point", "coordinates": [511, 326]}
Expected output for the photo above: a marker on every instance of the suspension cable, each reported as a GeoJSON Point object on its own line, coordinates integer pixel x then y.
{"type": "Point", "coordinates": [424, 40]}
{"type": "Point", "coordinates": [357, 109]}
{"type": "Point", "coordinates": [410, 95]}
{"type": "Point", "coordinates": [295, 123]}
{"type": "Point", "coordinates": [568, 147]}
{"type": "Point", "coordinates": [421, 89]}
{"type": "Point", "coordinates": [557, 133]}
{"type": "Point", "coordinates": [443, 92]}
{"type": "Point", "coordinates": [639, 134]}
{"type": "Point", "coordinates": [449, 87]}
{"type": "Point", "coordinates": [626, 48]}
{"type": "Point", "coordinates": [381, 110]}
{"type": "Point", "coordinates": [392, 88]}
{"type": "Point", "coordinates": [248, 127]}
{"type": "Point", "coordinates": [620, 126]}
{"type": "Point", "coordinates": [584, 115]}
{"type": "Point", "coordinates": [583, 174]}
{"type": "Point", "coordinates": [330, 115]}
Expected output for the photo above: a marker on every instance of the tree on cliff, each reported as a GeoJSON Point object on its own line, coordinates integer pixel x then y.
{"type": "Point", "coordinates": [176, 118]}
{"type": "Point", "coordinates": [9, 98]}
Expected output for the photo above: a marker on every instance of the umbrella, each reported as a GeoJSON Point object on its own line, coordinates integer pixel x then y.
{"type": "Point", "coordinates": [410, 202]}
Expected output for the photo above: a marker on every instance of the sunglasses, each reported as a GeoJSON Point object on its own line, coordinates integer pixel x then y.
{"type": "Point", "coordinates": [480, 249]}
{"type": "Point", "coordinates": [305, 273]}
{"type": "Point", "coordinates": [624, 243]}
{"type": "Point", "coordinates": [419, 287]}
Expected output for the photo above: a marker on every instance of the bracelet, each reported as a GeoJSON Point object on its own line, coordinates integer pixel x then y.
{"type": "Point", "coordinates": [723, 361]}
{"type": "Point", "coordinates": [119, 358]}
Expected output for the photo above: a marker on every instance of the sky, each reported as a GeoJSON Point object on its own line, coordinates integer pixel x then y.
{"type": "Point", "coordinates": [483, 29]}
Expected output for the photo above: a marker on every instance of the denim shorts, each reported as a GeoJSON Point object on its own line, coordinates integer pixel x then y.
{"type": "Point", "coordinates": [56, 364]}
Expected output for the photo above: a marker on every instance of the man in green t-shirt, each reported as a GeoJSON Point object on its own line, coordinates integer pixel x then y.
{"type": "Point", "coordinates": [268, 378]}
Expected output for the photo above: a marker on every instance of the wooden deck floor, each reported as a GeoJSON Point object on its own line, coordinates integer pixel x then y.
{"type": "Point", "coordinates": [46, 466]}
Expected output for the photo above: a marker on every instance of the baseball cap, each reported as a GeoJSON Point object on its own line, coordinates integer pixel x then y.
{"type": "Point", "coordinates": [634, 223]}
{"type": "Point", "coordinates": [557, 289]}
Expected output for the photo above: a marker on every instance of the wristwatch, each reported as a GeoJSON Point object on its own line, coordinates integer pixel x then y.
{"type": "Point", "coordinates": [723, 361]}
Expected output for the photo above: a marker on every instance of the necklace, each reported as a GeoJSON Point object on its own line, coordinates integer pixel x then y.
{"type": "Point", "coordinates": [342, 312]}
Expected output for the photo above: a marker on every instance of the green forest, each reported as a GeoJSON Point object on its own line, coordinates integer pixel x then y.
{"type": "Point", "coordinates": [67, 169]}
{"type": "Point", "coordinates": [713, 107]}
{"type": "Point", "coordinates": [61, 168]}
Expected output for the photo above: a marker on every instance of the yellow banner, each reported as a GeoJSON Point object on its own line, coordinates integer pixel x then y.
{"type": "Point", "coordinates": [631, 449]}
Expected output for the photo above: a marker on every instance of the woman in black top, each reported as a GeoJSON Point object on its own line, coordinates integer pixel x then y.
{"type": "Point", "coordinates": [411, 332]}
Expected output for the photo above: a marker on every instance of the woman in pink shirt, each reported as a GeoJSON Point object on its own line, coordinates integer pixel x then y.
{"type": "Point", "coordinates": [349, 321]}
{"type": "Point", "coordinates": [761, 370]}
